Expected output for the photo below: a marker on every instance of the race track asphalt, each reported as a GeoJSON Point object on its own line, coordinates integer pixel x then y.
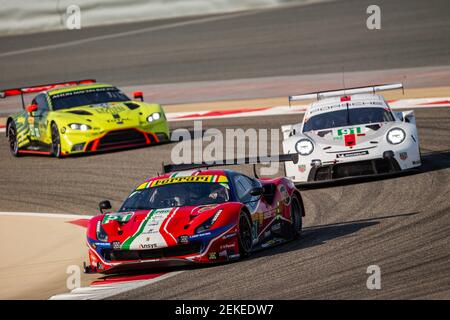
{"type": "Point", "coordinates": [401, 224]}
{"type": "Point", "coordinates": [324, 37]}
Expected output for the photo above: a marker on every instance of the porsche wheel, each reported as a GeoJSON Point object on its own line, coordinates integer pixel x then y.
{"type": "Point", "coordinates": [245, 239]}
{"type": "Point", "coordinates": [12, 139]}
{"type": "Point", "coordinates": [296, 218]}
{"type": "Point", "coordinates": [56, 141]}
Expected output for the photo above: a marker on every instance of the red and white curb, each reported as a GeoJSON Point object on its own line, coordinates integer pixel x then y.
{"type": "Point", "coordinates": [284, 110]}
{"type": "Point", "coordinates": [102, 291]}
{"type": "Point", "coordinates": [295, 109]}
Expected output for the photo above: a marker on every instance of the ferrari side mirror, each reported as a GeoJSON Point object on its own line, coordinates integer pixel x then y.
{"type": "Point", "coordinates": [138, 95]}
{"type": "Point", "coordinates": [256, 191]}
{"type": "Point", "coordinates": [104, 205]}
{"type": "Point", "coordinates": [32, 107]}
{"type": "Point", "coordinates": [269, 191]}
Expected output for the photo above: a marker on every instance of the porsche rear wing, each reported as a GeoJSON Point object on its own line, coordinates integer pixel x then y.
{"type": "Point", "coordinates": [344, 92]}
{"type": "Point", "coordinates": [39, 88]}
{"type": "Point", "coordinates": [231, 162]}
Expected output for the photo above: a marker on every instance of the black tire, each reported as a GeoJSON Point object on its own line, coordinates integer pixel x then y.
{"type": "Point", "coordinates": [245, 239]}
{"type": "Point", "coordinates": [296, 218]}
{"type": "Point", "coordinates": [56, 141]}
{"type": "Point", "coordinates": [12, 139]}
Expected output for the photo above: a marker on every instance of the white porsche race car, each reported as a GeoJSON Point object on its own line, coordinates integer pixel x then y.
{"type": "Point", "coordinates": [350, 133]}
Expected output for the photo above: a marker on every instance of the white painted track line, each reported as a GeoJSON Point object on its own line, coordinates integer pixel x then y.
{"type": "Point", "coordinates": [46, 215]}
{"type": "Point", "coordinates": [125, 34]}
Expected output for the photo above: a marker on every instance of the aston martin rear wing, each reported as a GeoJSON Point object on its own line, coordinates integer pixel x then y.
{"type": "Point", "coordinates": [344, 92]}
{"type": "Point", "coordinates": [39, 88]}
{"type": "Point", "coordinates": [230, 162]}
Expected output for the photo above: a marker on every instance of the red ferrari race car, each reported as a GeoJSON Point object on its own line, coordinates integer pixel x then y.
{"type": "Point", "coordinates": [194, 216]}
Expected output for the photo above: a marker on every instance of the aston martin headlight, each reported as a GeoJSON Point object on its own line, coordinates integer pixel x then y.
{"type": "Point", "coordinates": [79, 126]}
{"type": "Point", "coordinates": [304, 147]}
{"type": "Point", "coordinates": [101, 234]}
{"type": "Point", "coordinates": [396, 136]}
{"type": "Point", "coordinates": [209, 222]}
{"type": "Point", "coordinates": [154, 116]}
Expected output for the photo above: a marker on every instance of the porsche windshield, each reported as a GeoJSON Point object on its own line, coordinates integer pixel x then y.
{"type": "Point", "coordinates": [347, 117]}
{"type": "Point", "coordinates": [176, 195]}
{"type": "Point", "coordinates": [85, 97]}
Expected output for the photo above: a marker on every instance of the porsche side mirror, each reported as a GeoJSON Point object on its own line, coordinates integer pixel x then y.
{"type": "Point", "coordinates": [138, 95]}
{"type": "Point", "coordinates": [409, 117]}
{"type": "Point", "coordinates": [31, 108]}
{"type": "Point", "coordinates": [256, 191]}
{"type": "Point", "coordinates": [104, 205]}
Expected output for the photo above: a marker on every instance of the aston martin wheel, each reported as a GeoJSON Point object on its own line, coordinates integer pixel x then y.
{"type": "Point", "coordinates": [56, 141]}
{"type": "Point", "coordinates": [296, 218]}
{"type": "Point", "coordinates": [245, 235]}
{"type": "Point", "coordinates": [12, 138]}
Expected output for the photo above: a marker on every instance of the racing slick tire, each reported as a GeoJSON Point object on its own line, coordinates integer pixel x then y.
{"type": "Point", "coordinates": [56, 141]}
{"type": "Point", "coordinates": [245, 239]}
{"type": "Point", "coordinates": [296, 218]}
{"type": "Point", "coordinates": [12, 139]}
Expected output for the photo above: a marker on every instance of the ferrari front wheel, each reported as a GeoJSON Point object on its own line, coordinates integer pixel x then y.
{"type": "Point", "coordinates": [12, 138]}
{"type": "Point", "coordinates": [245, 239]}
{"type": "Point", "coordinates": [296, 218]}
{"type": "Point", "coordinates": [56, 141]}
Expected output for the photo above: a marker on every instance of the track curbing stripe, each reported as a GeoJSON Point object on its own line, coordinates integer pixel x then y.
{"type": "Point", "coordinates": [99, 291]}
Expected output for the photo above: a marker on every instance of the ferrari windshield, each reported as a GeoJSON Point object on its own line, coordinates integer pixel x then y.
{"type": "Point", "coordinates": [347, 117]}
{"type": "Point", "coordinates": [85, 97]}
{"type": "Point", "coordinates": [176, 195]}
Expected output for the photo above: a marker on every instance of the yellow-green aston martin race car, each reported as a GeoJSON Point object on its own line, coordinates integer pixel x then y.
{"type": "Point", "coordinates": [82, 116]}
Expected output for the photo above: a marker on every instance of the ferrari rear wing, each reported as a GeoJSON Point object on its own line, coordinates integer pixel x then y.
{"type": "Point", "coordinates": [39, 88]}
{"type": "Point", "coordinates": [231, 162]}
{"type": "Point", "coordinates": [343, 92]}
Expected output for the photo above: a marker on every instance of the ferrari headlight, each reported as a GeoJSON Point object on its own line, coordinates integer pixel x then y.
{"type": "Point", "coordinates": [101, 234]}
{"type": "Point", "coordinates": [154, 116]}
{"type": "Point", "coordinates": [304, 147]}
{"type": "Point", "coordinates": [209, 222]}
{"type": "Point", "coordinates": [79, 126]}
{"type": "Point", "coordinates": [396, 136]}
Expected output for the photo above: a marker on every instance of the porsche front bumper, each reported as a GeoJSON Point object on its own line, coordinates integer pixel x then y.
{"type": "Point", "coordinates": [375, 160]}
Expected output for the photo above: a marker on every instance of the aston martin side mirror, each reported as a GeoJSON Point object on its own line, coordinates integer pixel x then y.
{"type": "Point", "coordinates": [138, 95]}
{"type": "Point", "coordinates": [31, 108]}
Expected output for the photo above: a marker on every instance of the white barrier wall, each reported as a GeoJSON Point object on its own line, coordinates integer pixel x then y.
{"type": "Point", "coordinates": [28, 16]}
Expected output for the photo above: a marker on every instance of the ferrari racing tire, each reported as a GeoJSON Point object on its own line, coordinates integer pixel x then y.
{"type": "Point", "coordinates": [12, 139]}
{"type": "Point", "coordinates": [245, 239]}
{"type": "Point", "coordinates": [296, 217]}
{"type": "Point", "coordinates": [56, 141]}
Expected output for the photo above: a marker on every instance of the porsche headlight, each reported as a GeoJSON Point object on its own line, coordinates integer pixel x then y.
{"type": "Point", "coordinates": [101, 234]}
{"type": "Point", "coordinates": [396, 136]}
{"type": "Point", "coordinates": [79, 126]}
{"type": "Point", "coordinates": [154, 117]}
{"type": "Point", "coordinates": [304, 147]}
{"type": "Point", "coordinates": [209, 222]}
